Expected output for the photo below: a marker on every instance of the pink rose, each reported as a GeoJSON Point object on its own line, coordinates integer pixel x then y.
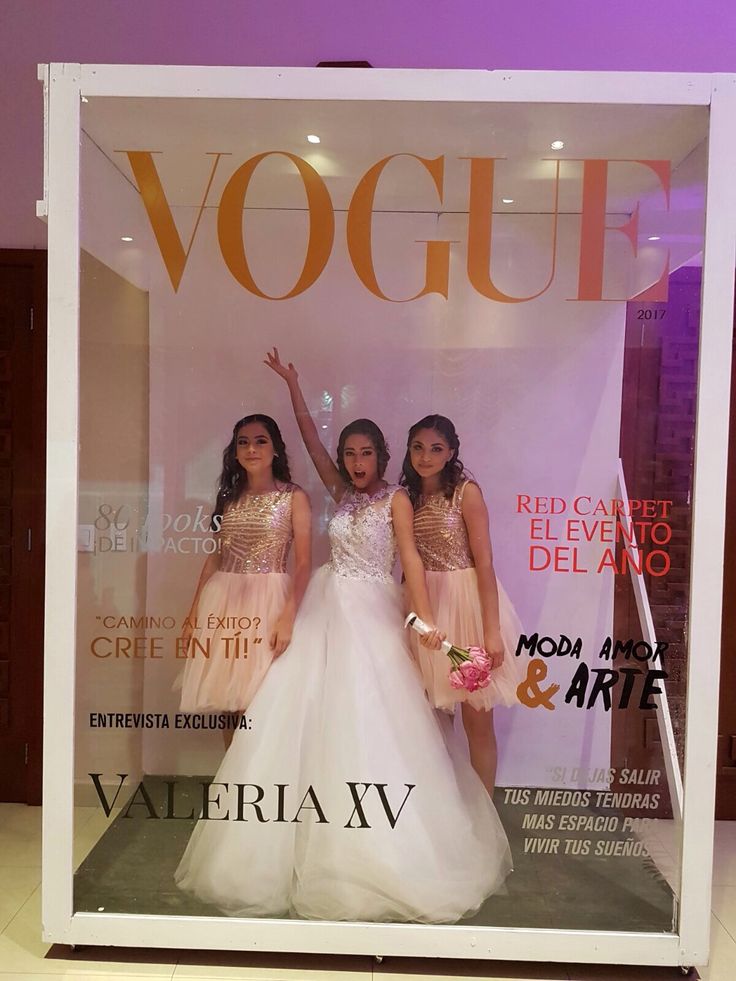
{"type": "Point", "coordinates": [471, 674]}
{"type": "Point", "coordinates": [480, 656]}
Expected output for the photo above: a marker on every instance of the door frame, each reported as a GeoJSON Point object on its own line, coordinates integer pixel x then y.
{"type": "Point", "coordinates": [29, 520]}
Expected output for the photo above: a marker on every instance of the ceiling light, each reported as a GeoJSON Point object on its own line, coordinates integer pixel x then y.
{"type": "Point", "coordinates": [557, 145]}
{"type": "Point", "coordinates": [313, 139]}
{"type": "Point", "coordinates": [126, 238]}
{"type": "Point", "coordinates": [507, 200]}
{"type": "Point", "coordinates": [654, 238]}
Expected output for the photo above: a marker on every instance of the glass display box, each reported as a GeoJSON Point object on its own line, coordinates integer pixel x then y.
{"type": "Point", "coordinates": [546, 260]}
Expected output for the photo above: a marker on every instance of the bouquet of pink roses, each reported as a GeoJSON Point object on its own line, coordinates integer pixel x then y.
{"type": "Point", "coordinates": [471, 668]}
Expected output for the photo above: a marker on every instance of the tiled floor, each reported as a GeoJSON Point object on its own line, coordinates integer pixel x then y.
{"type": "Point", "coordinates": [23, 955]}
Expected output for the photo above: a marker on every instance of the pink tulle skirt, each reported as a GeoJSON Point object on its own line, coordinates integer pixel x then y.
{"type": "Point", "coordinates": [456, 606]}
{"type": "Point", "coordinates": [243, 604]}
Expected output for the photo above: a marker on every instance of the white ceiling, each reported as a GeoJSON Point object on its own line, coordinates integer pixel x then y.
{"type": "Point", "coordinates": [354, 136]}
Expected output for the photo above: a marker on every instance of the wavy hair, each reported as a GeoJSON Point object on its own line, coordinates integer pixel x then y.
{"type": "Point", "coordinates": [452, 472]}
{"type": "Point", "coordinates": [233, 480]}
{"type": "Point", "coordinates": [363, 427]}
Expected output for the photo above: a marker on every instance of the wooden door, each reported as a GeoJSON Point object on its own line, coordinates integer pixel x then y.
{"type": "Point", "coordinates": [22, 506]}
{"type": "Point", "coordinates": [726, 772]}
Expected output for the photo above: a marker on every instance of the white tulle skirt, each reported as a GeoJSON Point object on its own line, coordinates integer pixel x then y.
{"type": "Point", "coordinates": [344, 708]}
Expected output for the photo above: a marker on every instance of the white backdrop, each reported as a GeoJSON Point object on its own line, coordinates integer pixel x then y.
{"type": "Point", "coordinates": [534, 389]}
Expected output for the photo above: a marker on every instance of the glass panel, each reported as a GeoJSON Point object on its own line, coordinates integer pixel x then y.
{"type": "Point", "coordinates": [399, 261]}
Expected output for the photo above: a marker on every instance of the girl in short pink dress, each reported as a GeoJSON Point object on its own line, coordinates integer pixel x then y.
{"type": "Point", "coordinates": [243, 610]}
{"type": "Point", "coordinates": [469, 604]}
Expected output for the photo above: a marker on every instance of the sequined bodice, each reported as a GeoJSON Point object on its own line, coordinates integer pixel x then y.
{"type": "Point", "coordinates": [440, 532]}
{"type": "Point", "coordinates": [362, 540]}
{"type": "Point", "coordinates": [256, 532]}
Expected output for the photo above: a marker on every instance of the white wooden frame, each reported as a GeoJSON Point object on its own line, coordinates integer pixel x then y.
{"type": "Point", "coordinates": [67, 83]}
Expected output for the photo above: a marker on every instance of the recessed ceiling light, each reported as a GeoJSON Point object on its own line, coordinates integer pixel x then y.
{"type": "Point", "coordinates": [654, 238]}
{"type": "Point", "coordinates": [507, 200]}
{"type": "Point", "coordinates": [126, 238]}
{"type": "Point", "coordinates": [557, 145]}
{"type": "Point", "coordinates": [313, 139]}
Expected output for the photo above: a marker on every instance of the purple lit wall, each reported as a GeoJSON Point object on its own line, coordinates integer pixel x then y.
{"type": "Point", "coordinates": [656, 35]}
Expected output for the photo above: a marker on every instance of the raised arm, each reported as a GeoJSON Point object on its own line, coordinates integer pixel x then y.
{"type": "Point", "coordinates": [475, 515]}
{"type": "Point", "coordinates": [323, 462]}
{"type": "Point", "coordinates": [411, 562]}
{"type": "Point", "coordinates": [301, 523]}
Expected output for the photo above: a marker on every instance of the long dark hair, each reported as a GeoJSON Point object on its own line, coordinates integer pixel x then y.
{"type": "Point", "coordinates": [363, 427]}
{"type": "Point", "coordinates": [452, 472]}
{"type": "Point", "coordinates": [233, 479]}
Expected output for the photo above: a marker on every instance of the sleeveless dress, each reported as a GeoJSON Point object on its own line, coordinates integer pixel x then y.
{"type": "Point", "coordinates": [363, 813]}
{"type": "Point", "coordinates": [442, 541]}
{"type": "Point", "coordinates": [240, 602]}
